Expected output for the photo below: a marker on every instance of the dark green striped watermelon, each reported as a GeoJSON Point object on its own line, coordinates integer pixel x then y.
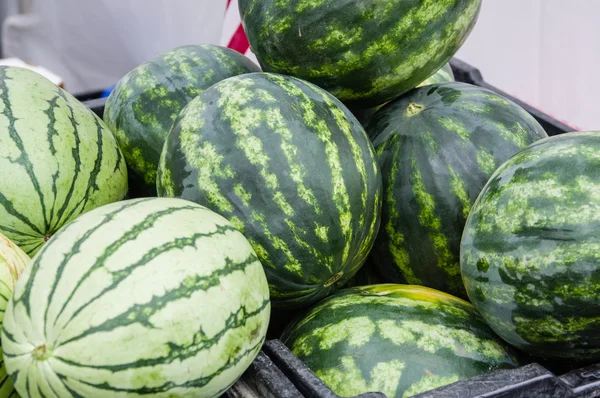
{"type": "Point", "coordinates": [288, 165]}
{"type": "Point", "coordinates": [57, 159]}
{"type": "Point", "coordinates": [146, 102]}
{"type": "Point", "coordinates": [437, 147]}
{"type": "Point", "coordinates": [13, 262]}
{"type": "Point", "coordinates": [148, 297]}
{"type": "Point", "coordinates": [400, 340]}
{"type": "Point", "coordinates": [530, 253]}
{"type": "Point", "coordinates": [363, 52]}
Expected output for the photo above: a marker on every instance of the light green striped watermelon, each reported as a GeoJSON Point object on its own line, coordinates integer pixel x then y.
{"type": "Point", "coordinates": [290, 167]}
{"type": "Point", "coordinates": [57, 159]}
{"type": "Point", "coordinates": [145, 103]}
{"type": "Point", "coordinates": [146, 297]}
{"type": "Point", "coordinates": [530, 252]}
{"type": "Point", "coordinates": [364, 52]}
{"type": "Point", "coordinates": [400, 340]}
{"type": "Point", "coordinates": [437, 147]}
{"type": "Point", "coordinates": [13, 261]}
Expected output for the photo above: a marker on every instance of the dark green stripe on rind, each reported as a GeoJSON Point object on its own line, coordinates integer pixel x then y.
{"type": "Point", "coordinates": [397, 339]}
{"type": "Point", "coordinates": [157, 280]}
{"type": "Point", "coordinates": [145, 103]}
{"type": "Point", "coordinates": [53, 147]}
{"type": "Point", "coordinates": [364, 53]}
{"type": "Point", "coordinates": [290, 167]}
{"type": "Point", "coordinates": [530, 253]}
{"type": "Point", "coordinates": [437, 147]}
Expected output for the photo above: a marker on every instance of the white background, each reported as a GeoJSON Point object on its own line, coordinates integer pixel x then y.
{"type": "Point", "coordinates": [545, 52]}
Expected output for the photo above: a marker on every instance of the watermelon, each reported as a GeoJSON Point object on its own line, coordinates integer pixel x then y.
{"type": "Point", "coordinates": [291, 168]}
{"type": "Point", "coordinates": [444, 75]}
{"type": "Point", "coordinates": [437, 147]}
{"type": "Point", "coordinates": [363, 52]}
{"type": "Point", "coordinates": [155, 297]}
{"type": "Point", "coordinates": [400, 340]}
{"type": "Point", "coordinates": [57, 159]}
{"type": "Point", "coordinates": [145, 102]}
{"type": "Point", "coordinates": [530, 253]}
{"type": "Point", "coordinates": [13, 261]}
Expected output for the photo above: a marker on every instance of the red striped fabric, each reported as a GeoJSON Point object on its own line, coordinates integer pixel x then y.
{"type": "Point", "coordinates": [233, 35]}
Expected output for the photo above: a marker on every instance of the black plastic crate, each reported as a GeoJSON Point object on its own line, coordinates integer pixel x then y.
{"type": "Point", "coordinates": [278, 373]}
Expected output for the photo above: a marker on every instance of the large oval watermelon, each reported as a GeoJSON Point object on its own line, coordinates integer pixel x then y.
{"type": "Point", "coordinates": [13, 261]}
{"type": "Point", "coordinates": [437, 147]}
{"type": "Point", "coordinates": [287, 164]}
{"type": "Point", "coordinates": [57, 159]}
{"type": "Point", "coordinates": [530, 253]}
{"type": "Point", "coordinates": [145, 297]}
{"type": "Point", "coordinates": [145, 102]}
{"type": "Point", "coordinates": [363, 52]}
{"type": "Point", "coordinates": [400, 340]}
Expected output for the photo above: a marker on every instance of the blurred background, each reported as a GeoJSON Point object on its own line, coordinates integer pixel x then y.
{"type": "Point", "coordinates": [543, 52]}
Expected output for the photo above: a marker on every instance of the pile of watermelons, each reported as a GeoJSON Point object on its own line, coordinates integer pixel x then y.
{"type": "Point", "coordinates": [397, 230]}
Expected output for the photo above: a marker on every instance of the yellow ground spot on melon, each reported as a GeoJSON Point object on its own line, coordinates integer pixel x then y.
{"type": "Point", "coordinates": [348, 380]}
{"type": "Point", "coordinates": [241, 193]}
{"type": "Point", "coordinates": [356, 332]}
{"type": "Point", "coordinates": [429, 382]}
{"type": "Point", "coordinates": [486, 162]}
{"type": "Point", "coordinates": [458, 188]}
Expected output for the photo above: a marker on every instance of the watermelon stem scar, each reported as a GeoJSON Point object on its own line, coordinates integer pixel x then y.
{"type": "Point", "coordinates": [333, 279]}
{"type": "Point", "coordinates": [41, 353]}
{"type": "Point", "coordinates": [413, 109]}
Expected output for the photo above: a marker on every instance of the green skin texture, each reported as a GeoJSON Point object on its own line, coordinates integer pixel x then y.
{"type": "Point", "coordinates": [146, 297]}
{"type": "Point", "coordinates": [443, 75]}
{"type": "Point", "coordinates": [57, 159]}
{"type": "Point", "coordinates": [400, 340]}
{"type": "Point", "coordinates": [145, 102]}
{"type": "Point", "coordinates": [364, 52]}
{"type": "Point", "coordinates": [287, 164]}
{"type": "Point", "coordinates": [530, 253]}
{"type": "Point", "coordinates": [13, 261]}
{"type": "Point", "coordinates": [437, 147]}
